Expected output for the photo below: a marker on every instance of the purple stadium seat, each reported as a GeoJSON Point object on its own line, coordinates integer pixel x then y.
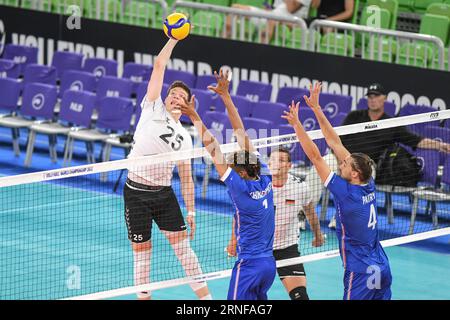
{"type": "Point", "coordinates": [410, 109]}
{"type": "Point", "coordinates": [203, 103]}
{"type": "Point", "coordinates": [287, 94]}
{"type": "Point", "coordinates": [9, 69]}
{"type": "Point", "coordinates": [333, 104]}
{"type": "Point", "coordinates": [429, 160]}
{"type": "Point", "coordinates": [435, 133]}
{"type": "Point", "coordinates": [389, 107]}
{"type": "Point", "coordinates": [9, 93]}
{"type": "Point", "coordinates": [114, 87]}
{"type": "Point", "coordinates": [446, 173]}
{"type": "Point", "coordinates": [208, 80]}
{"type": "Point", "coordinates": [447, 123]}
{"type": "Point", "coordinates": [100, 67]}
{"type": "Point", "coordinates": [63, 60]}
{"type": "Point", "coordinates": [219, 125]}
{"type": "Point", "coordinates": [308, 119]}
{"type": "Point", "coordinates": [244, 105]}
{"type": "Point", "coordinates": [141, 91]}
{"type": "Point", "coordinates": [174, 75]}
{"type": "Point", "coordinates": [137, 73]}
{"type": "Point", "coordinates": [338, 119]}
{"type": "Point", "coordinates": [39, 73]}
{"type": "Point", "coordinates": [269, 111]}
{"type": "Point", "coordinates": [77, 108]}
{"type": "Point", "coordinates": [255, 91]}
{"type": "Point", "coordinates": [257, 128]}
{"type": "Point", "coordinates": [77, 80]}
{"type": "Point", "coordinates": [204, 81]}
{"type": "Point", "coordinates": [38, 100]}
{"type": "Point", "coordinates": [21, 55]}
{"type": "Point", "coordinates": [114, 113]}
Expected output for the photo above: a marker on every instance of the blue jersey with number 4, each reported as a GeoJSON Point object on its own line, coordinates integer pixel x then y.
{"type": "Point", "coordinates": [255, 214]}
{"type": "Point", "coordinates": [356, 224]}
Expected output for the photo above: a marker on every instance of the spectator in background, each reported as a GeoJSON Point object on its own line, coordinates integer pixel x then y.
{"type": "Point", "coordinates": [334, 10]}
{"type": "Point", "coordinates": [372, 143]}
{"type": "Point", "coordinates": [287, 8]}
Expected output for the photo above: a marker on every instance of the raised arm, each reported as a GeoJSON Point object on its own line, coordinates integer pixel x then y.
{"type": "Point", "coordinates": [222, 89]}
{"type": "Point", "coordinates": [209, 141]}
{"type": "Point", "coordinates": [308, 146]}
{"type": "Point", "coordinates": [159, 66]}
{"type": "Point", "coordinates": [333, 140]}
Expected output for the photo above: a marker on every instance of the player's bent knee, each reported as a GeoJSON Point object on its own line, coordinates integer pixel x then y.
{"type": "Point", "coordinates": [299, 293]}
{"type": "Point", "coordinates": [144, 246]}
{"type": "Point", "coordinates": [176, 237]}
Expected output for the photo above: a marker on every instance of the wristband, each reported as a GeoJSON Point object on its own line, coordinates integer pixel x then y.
{"type": "Point", "coordinates": [191, 214]}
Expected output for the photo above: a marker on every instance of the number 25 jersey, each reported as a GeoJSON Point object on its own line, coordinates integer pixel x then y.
{"type": "Point", "coordinates": [157, 132]}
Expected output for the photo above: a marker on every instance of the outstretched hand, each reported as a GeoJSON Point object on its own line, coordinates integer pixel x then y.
{"type": "Point", "coordinates": [222, 86]}
{"type": "Point", "coordinates": [313, 100]}
{"type": "Point", "coordinates": [292, 115]}
{"type": "Point", "coordinates": [188, 106]}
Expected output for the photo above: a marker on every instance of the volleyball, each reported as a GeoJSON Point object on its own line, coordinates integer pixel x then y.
{"type": "Point", "coordinates": [177, 26]}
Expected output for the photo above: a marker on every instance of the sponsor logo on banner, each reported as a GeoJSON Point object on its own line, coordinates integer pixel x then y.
{"type": "Point", "coordinates": [38, 101]}
{"type": "Point", "coordinates": [370, 126]}
{"type": "Point", "coordinates": [434, 115]}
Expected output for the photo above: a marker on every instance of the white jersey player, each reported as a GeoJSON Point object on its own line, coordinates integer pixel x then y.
{"type": "Point", "coordinates": [148, 193]}
{"type": "Point", "coordinates": [290, 196]}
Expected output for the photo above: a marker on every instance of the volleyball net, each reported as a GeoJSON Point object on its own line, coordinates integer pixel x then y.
{"type": "Point", "coordinates": [63, 233]}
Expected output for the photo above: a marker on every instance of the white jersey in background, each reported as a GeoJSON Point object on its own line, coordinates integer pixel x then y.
{"type": "Point", "coordinates": [288, 201]}
{"type": "Point", "coordinates": [157, 132]}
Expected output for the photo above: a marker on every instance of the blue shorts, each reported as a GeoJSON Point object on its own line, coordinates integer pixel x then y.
{"type": "Point", "coordinates": [364, 286]}
{"type": "Point", "coordinates": [252, 278]}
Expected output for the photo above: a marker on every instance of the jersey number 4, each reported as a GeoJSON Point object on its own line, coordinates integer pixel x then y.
{"type": "Point", "coordinates": [176, 145]}
{"type": "Point", "coordinates": [372, 218]}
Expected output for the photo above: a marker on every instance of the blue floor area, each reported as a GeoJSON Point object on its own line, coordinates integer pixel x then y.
{"type": "Point", "coordinates": [85, 228]}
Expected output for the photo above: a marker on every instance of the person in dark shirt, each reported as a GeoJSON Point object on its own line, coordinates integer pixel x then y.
{"type": "Point", "coordinates": [334, 10]}
{"type": "Point", "coordinates": [373, 143]}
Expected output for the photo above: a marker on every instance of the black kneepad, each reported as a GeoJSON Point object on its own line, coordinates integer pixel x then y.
{"type": "Point", "coordinates": [299, 293]}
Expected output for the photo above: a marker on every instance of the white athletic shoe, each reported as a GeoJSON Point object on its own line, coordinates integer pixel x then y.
{"type": "Point", "coordinates": [332, 224]}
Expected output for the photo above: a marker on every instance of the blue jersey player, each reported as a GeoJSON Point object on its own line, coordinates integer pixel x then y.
{"type": "Point", "coordinates": [367, 272]}
{"type": "Point", "coordinates": [250, 187]}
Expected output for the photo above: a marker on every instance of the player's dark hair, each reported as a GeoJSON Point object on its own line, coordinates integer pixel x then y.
{"type": "Point", "coordinates": [244, 160]}
{"type": "Point", "coordinates": [182, 85]}
{"type": "Point", "coordinates": [362, 163]}
{"type": "Point", "coordinates": [282, 150]}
